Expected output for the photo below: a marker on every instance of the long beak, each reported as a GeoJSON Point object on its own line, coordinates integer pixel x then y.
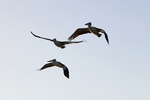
{"type": "Point", "coordinates": [50, 61]}
{"type": "Point", "coordinates": [87, 24]}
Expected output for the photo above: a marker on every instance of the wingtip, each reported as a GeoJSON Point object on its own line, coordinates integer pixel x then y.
{"type": "Point", "coordinates": [108, 42]}
{"type": "Point", "coordinates": [67, 76]}
{"type": "Point", "coordinates": [31, 32]}
{"type": "Point", "coordinates": [38, 69]}
{"type": "Point", "coordinates": [66, 72]}
{"type": "Point", "coordinates": [84, 41]}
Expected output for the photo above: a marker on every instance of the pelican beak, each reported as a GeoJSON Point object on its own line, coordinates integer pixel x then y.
{"type": "Point", "coordinates": [89, 23]}
{"type": "Point", "coordinates": [86, 23]}
{"type": "Point", "coordinates": [54, 39]}
{"type": "Point", "coordinates": [50, 60]}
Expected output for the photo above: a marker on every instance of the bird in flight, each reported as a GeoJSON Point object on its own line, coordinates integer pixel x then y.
{"type": "Point", "coordinates": [90, 29]}
{"type": "Point", "coordinates": [56, 63]}
{"type": "Point", "coordinates": [60, 44]}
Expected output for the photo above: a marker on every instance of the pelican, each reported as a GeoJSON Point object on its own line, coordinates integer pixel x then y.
{"type": "Point", "coordinates": [60, 44]}
{"type": "Point", "coordinates": [58, 64]}
{"type": "Point", "coordinates": [90, 29]}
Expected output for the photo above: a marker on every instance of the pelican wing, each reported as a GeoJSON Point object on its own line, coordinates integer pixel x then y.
{"type": "Point", "coordinates": [46, 66]}
{"type": "Point", "coordinates": [79, 31]}
{"type": "Point", "coordinates": [106, 36]}
{"type": "Point", "coordinates": [66, 72]}
{"type": "Point", "coordinates": [40, 37]}
{"type": "Point", "coordinates": [61, 64]}
{"type": "Point", "coordinates": [70, 42]}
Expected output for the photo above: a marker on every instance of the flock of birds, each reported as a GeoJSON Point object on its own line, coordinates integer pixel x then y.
{"type": "Point", "coordinates": [61, 44]}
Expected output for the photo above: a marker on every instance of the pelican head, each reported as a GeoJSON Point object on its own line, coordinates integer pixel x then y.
{"type": "Point", "coordinates": [52, 60]}
{"type": "Point", "coordinates": [54, 39]}
{"type": "Point", "coordinates": [89, 24]}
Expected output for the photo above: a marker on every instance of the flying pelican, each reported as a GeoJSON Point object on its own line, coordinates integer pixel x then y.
{"type": "Point", "coordinates": [90, 29]}
{"type": "Point", "coordinates": [60, 44]}
{"type": "Point", "coordinates": [58, 64]}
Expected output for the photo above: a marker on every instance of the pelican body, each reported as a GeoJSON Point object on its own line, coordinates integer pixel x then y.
{"type": "Point", "coordinates": [60, 44]}
{"type": "Point", "coordinates": [89, 29]}
{"type": "Point", "coordinates": [57, 64]}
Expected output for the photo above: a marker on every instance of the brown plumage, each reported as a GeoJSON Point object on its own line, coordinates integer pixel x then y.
{"type": "Point", "coordinates": [90, 29]}
{"type": "Point", "coordinates": [57, 64]}
{"type": "Point", "coordinates": [60, 44]}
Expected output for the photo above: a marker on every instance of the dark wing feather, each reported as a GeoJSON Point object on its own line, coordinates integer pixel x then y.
{"type": "Point", "coordinates": [46, 66]}
{"type": "Point", "coordinates": [70, 42]}
{"type": "Point", "coordinates": [66, 72]}
{"type": "Point", "coordinates": [78, 32]}
{"type": "Point", "coordinates": [40, 37]}
{"type": "Point", "coordinates": [106, 36]}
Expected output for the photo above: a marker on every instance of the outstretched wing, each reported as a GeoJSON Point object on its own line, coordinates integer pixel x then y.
{"type": "Point", "coordinates": [106, 36]}
{"type": "Point", "coordinates": [46, 66]}
{"type": "Point", "coordinates": [70, 42]}
{"type": "Point", "coordinates": [66, 72]}
{"type": "Point", "coordinates": [78, 32]}
{"type": "Point", "coordinates": [40, 37]}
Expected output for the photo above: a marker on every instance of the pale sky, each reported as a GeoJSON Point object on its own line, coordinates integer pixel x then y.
{"type": "Point", "coordinates": [98, 71]}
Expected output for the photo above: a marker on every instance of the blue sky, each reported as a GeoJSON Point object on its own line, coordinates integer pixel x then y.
{"type": "Point", "coordinates": [98, 71]}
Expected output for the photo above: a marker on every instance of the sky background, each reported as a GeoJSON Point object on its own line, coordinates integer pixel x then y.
{"type": "Point", "coordinates": [98, 71]}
